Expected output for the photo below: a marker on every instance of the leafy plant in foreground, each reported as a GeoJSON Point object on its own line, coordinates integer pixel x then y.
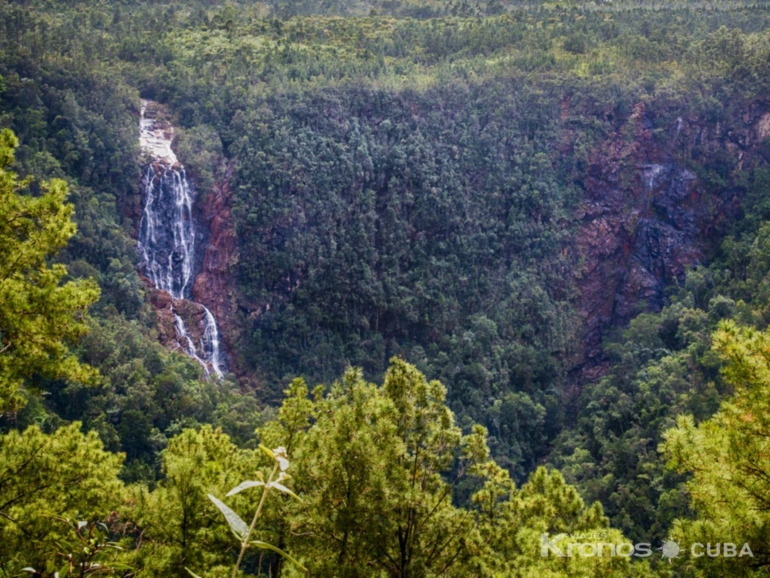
{"type": "Point", "coordinates": [237, 525]}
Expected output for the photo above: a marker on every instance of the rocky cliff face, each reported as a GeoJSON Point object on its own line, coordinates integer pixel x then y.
{"type": "Point", "coordinates": [647, 216]}
{"type": "Point", "coordinates": [215, 284]}
{"type": "Point", "coordinates": [165, 307]}
{"type": "Point", "coordinates": [170, 240]}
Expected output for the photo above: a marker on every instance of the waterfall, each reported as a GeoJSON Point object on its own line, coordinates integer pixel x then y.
{"type": "Point", "coordinates": [167, 238]}
{"type": "Point", "coordinates": [650, 173]}
{"type": "Point", "coordinates": [187, 343]}
{"type": "Point", "coordinates": [167, 230]}
{"type": "Point", "coordinates": [211, 343]}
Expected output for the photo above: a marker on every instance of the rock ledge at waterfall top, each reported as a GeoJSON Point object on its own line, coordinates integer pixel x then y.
{"type": "Point", "coordinates": [156, 134]}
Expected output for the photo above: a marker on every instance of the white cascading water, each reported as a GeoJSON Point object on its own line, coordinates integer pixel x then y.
{"type": "Point", "coordinates": [211, 343]}
{"type": "Point", "coordinates": [186, 342]}
{"type": "Point", "coordinates": [167, 230]}
{"type": "Point", "coordinates": [167, 238]}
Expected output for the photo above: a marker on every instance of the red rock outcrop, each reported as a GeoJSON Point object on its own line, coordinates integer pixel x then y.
{"type": "Point", "coordinates": [647, 217]}
{"type": "Point", "coordinates": [165, 308]}
{"type": "Point", "coordinates": [215, 285]}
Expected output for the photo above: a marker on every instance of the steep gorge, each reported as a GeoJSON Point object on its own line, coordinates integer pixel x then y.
{"type": "Point", "coordinates": [646, 215]}
{"type": "Point", "coordinates": [648, 211]}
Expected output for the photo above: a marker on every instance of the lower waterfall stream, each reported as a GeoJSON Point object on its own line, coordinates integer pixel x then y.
{"type": "Point", "coordinates": [167, 239]}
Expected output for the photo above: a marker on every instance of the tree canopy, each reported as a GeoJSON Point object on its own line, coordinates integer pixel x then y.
{"type": "Point", "coordinates": [41, 317]}
{"type": "Point", "coordinates": [406, 187]}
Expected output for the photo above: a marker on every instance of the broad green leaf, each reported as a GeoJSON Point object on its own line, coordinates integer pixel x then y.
{"type": "Point", "coordinates": [267, 450]}
{"type": "Point", "coordinates": [284, 489]}
{"type": "Point", "coordinates": [266, 546]}
{"type": "Point", "coordinates": [244, 486]}
{"type": "Point", "coordinates": [238, 526]}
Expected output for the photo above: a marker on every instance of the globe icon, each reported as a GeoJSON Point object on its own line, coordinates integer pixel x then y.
{"type": "Point", "coordinates": [669, 550]}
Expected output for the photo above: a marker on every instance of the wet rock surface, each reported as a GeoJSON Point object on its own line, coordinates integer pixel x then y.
{"type": "Point", "coordinates": [647, 217]}
{"type": "Point", "coordinates": [171, 246]}
{"type": "Point", "coordinates": [215, 285]}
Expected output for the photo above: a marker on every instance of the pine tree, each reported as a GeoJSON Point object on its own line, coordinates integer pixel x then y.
{"type": "Point", "coordinates": [40, 315]}
{"type": "Point", "coordinates": [729, 459]}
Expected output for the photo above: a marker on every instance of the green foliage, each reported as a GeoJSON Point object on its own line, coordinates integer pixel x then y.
{"type": "Point", "coordinates": [39, 315]}
{"type": "Point", "coordinates": [147, 396]}
{"type": "Point", "coordinates": [401, 187]}
{"type": "Point", "coordinates": [181, 526]}
{"type": "Point", "coordinates": [514, 521]}
{"type": "Point", "coordinates": [661, 367]}
{"type": "Point", "coordinates": [377, 468]}
{"type": "Point", "coordinates": [369, 471]}
{"type": "Point", "coordinates": [201, 149]}
{"type": "Point", "coordinates": [727, 457]}
{"type": "Point", "coordinates": [48, 479]}
{"type": "Point", "coordinates": [87, 551]}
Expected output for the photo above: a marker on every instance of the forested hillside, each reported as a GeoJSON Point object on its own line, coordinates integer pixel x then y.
{"type": "Point", "coordinates": [484, 270]}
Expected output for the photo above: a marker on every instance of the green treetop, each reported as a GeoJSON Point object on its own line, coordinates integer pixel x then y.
{"type": "Point", "coordinates": [382, 473]}
{"type": "Point", "coordinates": [39, 315]}
{"type": "Point", "coordinates": [729, 458]}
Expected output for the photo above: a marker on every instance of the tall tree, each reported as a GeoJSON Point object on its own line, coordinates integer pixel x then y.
{"type": "Point", "coordinates": [47, 483]}
{"type": "Point", "coordinates": [370, 470]}
{"type": "Point", "coordinates": [729, 459]}
{"type": "Point", "coordinates": [40, 317]}
{"type": "Point", "coordinates": [383, 473]}
{"type": "Point", "coordinates": [181, 527]}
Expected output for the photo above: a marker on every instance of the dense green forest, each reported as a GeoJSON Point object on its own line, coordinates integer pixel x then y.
{"type": "Point", "coordinates": [437, 354]}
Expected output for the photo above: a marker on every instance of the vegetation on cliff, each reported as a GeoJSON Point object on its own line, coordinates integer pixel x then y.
{"type": "Point", "coordinates": [541, 227]}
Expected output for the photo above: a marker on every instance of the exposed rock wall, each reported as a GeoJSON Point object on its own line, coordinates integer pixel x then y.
{"type": "Point", "coordinates": [215, 285]}
{"type": "Point", "coordinates": [647, 217]}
